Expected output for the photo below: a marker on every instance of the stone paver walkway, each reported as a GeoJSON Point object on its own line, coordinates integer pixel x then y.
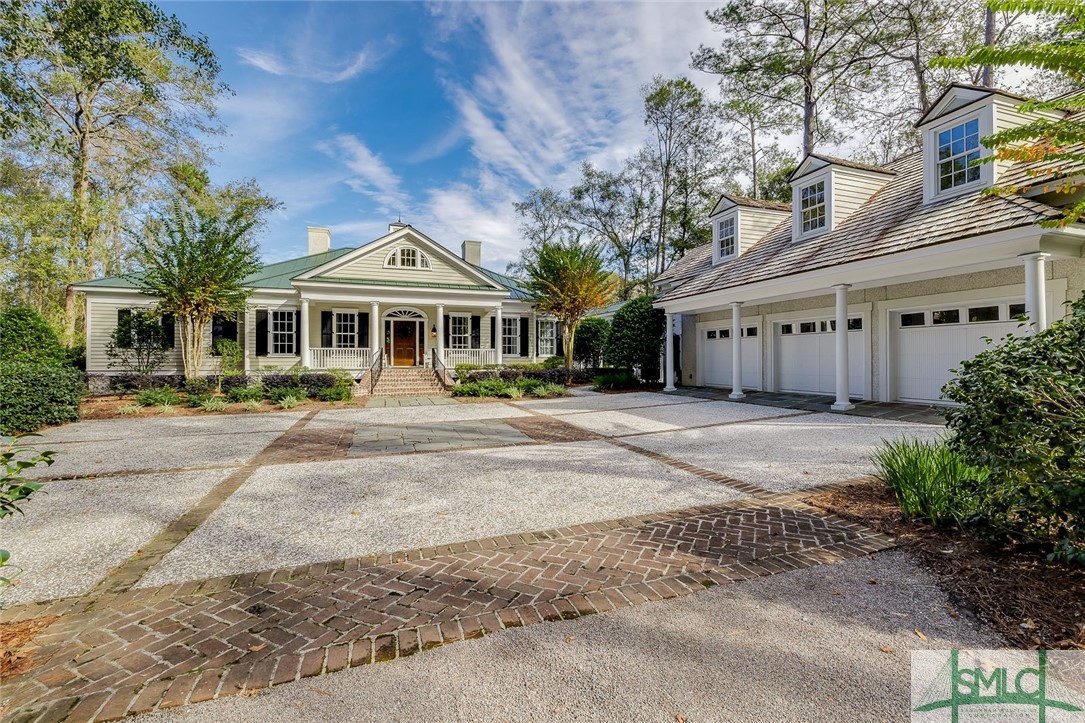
{"type": "Point", "coordinates": [400, 438]}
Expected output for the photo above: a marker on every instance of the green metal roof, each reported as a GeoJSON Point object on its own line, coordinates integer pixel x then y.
{"type": "Point", "coordinates": [516, 291]}
{"type": "Point", "coordinates": [390, 282]}
{"type": "Point", "coordinates": [278, 275]}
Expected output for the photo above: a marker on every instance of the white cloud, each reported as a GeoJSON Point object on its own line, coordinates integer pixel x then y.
{"type": "Point", "coordinates": [299, 65]}
{"type": "Point", "coordinates": [372, 176]}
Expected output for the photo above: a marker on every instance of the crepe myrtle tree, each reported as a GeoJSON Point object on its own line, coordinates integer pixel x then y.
{"type": "Point", "coordinates": [569, 280]}
{"type": "Point", "coordinates": [196, 266]}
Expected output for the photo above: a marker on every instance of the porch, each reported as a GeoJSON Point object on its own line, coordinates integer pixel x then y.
{"type": "Point", "coordinates": [357, 360]}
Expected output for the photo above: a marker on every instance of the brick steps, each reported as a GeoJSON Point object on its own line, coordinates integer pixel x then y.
{"type": "Point", "coordinates": [408, 382]}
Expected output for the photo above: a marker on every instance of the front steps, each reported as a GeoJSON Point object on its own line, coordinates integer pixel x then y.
{"type": "Point", "coordinates": [408, 382]}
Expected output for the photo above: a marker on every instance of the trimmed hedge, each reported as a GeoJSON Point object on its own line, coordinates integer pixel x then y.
{"type": "Point", "coordinates": [235, 381]}
{"type": "Point", "coordinates": [27, 337]}
{"type": "Point", "coordinates": [314, 382]}
{"type": "Point", "coordinates": [33, 395]}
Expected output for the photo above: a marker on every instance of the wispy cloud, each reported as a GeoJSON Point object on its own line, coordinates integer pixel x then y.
{"type": "Point", "coordinates": [372, 176]}
{"type": "Point", "coordinates": [302, 67]}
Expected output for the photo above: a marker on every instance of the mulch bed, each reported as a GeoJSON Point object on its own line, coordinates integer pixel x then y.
{"type": "Point", "coordinates": [1031, 602]}
{"type": "Point", "coordinates": [106, 407]}
{"type": "Point", "coordinates": [16, 650]}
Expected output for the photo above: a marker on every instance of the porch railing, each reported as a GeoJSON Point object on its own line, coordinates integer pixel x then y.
{"type": "Point", "coordinates": [441, 371]}
{"type": "Point", "coordinates": [355, 360]}
{"type": "Point", "coordinates": [470, 356]}
{"type": "Point", "coordinates": [375, 369]}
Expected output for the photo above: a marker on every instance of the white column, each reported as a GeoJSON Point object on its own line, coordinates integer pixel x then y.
{"type": "Point", "coordinates": [668, 352]}
{"type": "Point", "coordinates": [1036, 291]}
{"type": "Point", "coordinates": [306, 352]}
{"type": "Point", "coordinates": [498, 333]}
{"type": "Point", "coordinates": [533, 333]}
{"type": "Point", "coordinates": [736, 351]}
{"type": "Point", "coordinates": [843, 401]}
{"type": "Point", "coordinates": [374, 329]}
{"type": "Point", "coordinates": [441, 332]}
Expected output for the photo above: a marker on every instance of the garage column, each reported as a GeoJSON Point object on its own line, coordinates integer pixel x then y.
{"type": "Point", "coordinates": [1036, 291]}
{"type": "Point", "coordinates": [306, 352]}
{"type": "Point", "coordinates": [736, 351]}
{"type": "Point", "coordinates": [668, 352]}
{"type": "Point", "coordinates": [375, 335]}
{"type": "Point", "coordinates": [843, 400]}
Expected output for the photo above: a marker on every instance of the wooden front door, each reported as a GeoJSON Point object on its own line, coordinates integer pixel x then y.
{"type": "Point", "coordinates": [404, 343]}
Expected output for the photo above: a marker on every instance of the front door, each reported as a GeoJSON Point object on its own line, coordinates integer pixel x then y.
{"type": "Point", "coordinates": [404, 343]}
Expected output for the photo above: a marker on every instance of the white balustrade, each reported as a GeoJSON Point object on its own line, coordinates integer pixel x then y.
{"type": "Point", "coordinates": [480, 357]}
{"type": "Point", "coordinates": [349, 359]}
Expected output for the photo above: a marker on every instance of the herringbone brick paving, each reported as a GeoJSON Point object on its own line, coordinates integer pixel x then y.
{"type": "Point", "coordinates": [161, 647]}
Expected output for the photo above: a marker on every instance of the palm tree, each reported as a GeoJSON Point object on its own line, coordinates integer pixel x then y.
{"type": "Point", "coordinates": [197, 267]}
{"type": "Point", "coordinates": [569, 281]}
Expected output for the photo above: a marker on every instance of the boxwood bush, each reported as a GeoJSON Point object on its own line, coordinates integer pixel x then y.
{"type": "Point", "coordinates": [35, 394]}
{"type": "Point", "coordinates": [1022, 416]}
{"type": "Point", "coordinates": [236, 381]}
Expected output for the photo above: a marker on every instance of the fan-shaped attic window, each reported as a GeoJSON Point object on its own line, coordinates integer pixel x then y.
{"type": "Point", "coordinates": [407, 257]}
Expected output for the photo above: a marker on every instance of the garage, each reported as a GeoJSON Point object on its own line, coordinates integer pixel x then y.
{"type": "Point", "coordinates": [928, 343]}
{"type": "Point", "coordinates": [716, 357]}
{"type": "Point", "coordinates": [805, 355]}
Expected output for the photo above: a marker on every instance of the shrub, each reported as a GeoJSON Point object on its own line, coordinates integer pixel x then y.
{"type": "Point", "coordinates": [615, 379]}
{"type": "Point", "coordinates": [231, 357]}
{"type": "Point", "coordinates": [528, 384]}
{"type": "Point", "coordinates": [280, 381]}
{"type": "Point", "coordinates": [35, 394]}
{"type": "Point", "coordinates": [546, 389]}
{"type": "Point", "coordinates": [138, 344]}
{"type": "Point", "coordinates": [198, 386]}
{"type": "Point", "coordinates": [276, 394]}
{"type": "Point", "coordinates": [234, 381]}
{"type": "Point", "coordinates": [1022, 416]}
{"type": "Point", "coordinates": [289, 401]}
{"type": "Point", "coordinates": [314, 382]}
{"type": "Point", "coordinates": [591, 339]}
{"type": "Point", "coordinates": [27, 337]}
{"type": "Point", "coordinates": [513, 392]}
{"type": "Point", "coordinates": [130, 409]}
{"type": "Point", "coordinates": [158, 397]}
{"type": "Point", "coordinates": [636, 337]}
{"type": "Point", "coordinates": [245, 394]}
{"type": "Point", "coordinates": [135, 382]}
{"type": "Point", "coordinates": [462, 370]}
{"type": "Point", "coordinates": [930, 480]}
{"type": "Point", "coordinates": [482, 388]}
{"type": "Point", "coordinates": [253, 404]}
{"type": "Point", "coordinates": [553, 362]}
{"type": "Point", "coordinates": [197, 400]}
{"type": "Point", "coordinates": [337, 393]}
{"type": "Point", "coordinates": [213, 404]}
{"type": "Point", "coordinates": [165, 408]}
{"type": "Point", "coordinates": [15, 488]}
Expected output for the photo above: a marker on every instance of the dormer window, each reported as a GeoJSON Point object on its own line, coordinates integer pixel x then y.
{"type": "Point", "coordinates": [812, 207]}
{"type": "Point", "coordinates": [407, 257]}
{"type": "Point", "coordinates": [958, 155]}
{"type": "Point", "coordinates": [726, 238]}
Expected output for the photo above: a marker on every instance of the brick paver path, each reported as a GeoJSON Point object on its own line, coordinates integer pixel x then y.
{"type": "Point", "coordinates": [121, 650]}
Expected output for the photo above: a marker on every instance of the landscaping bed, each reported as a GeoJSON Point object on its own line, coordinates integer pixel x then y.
{"type": "Point", "coordinates": [108, 407]}
{"type": "Point", "coordinates": [1031, 602]}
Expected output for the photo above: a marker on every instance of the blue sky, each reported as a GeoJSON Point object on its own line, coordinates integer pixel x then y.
{"type": "Point", "coordinates": [352, 113]}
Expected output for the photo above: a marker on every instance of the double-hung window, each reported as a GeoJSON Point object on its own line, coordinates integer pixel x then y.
{"type": "Point", "coordinates": [548, 345]}
{"type": "Point", "coordinates": [282, 331]}
{"type": "Point", "coordinates": [459, 331]}
{"type": "Point", "coordinates": [958, 153]}
{"type": "Point", "coordinates": [812, 207]}
{"type": "Point", "coordinates": [725, 235]}
{"type": "Point", "coordinates": [510, 335]}
{"type": "Point", "coordinates": [346, 329]}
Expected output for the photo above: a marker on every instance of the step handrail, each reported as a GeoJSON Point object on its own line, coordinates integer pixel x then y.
{"type": "Point", "coordinates": [375, 368]}
{"type": "Point", "coordinates": [440, 370]}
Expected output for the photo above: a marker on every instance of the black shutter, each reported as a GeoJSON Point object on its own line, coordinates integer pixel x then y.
{"type": "Point", "coordinates": [476, 332]}
{"type": "Point", "coordinates": [297, 332]}
{"type": "Point", "coordinates": [363, 329]}
{"type": "Point", "coordinates": [326, 339]}
{"type": "Point", "coordinates": [493, 332]}
{"type": "Point", "coordinates": [448, 330]}
{"type": "Point", "coordinates": [261, 332]}
{"type": "Point", "coordinates": [169, 330]}
{"type": "Point", "coordinates": [124, 338]}
{"type": "Point", "coordinates": [523, 337]}
{"type": "Point", "coordinates": [538, 326]}
{"type": "Point", "coordinates": [558, 340]}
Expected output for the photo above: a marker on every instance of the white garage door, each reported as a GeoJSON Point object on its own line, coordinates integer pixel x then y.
{"type": "Point", "coordinates": [716, 357]}
{"type": "Point", "coordinates": [928, 343]}
{"type": "Point", "coordinates": [805, 356]}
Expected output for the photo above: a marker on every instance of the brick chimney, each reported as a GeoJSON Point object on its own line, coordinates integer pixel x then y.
{"type": "Point", "coordinates": [320, 240]}
{"type": "Point", "coordinates": [472, 252]}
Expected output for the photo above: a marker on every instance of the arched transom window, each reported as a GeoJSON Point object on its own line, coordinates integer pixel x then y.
{"type": "Point", "coordinates": [407, 257]}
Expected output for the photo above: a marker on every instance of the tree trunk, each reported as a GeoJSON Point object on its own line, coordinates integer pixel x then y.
{"type": "Point", "coordinates": [809, 107]}
{"type": "Point", "coordinates": [753, 159]}
{"type": "Point", "coordinates": [988, 41]}
{"type": "Point", "coordinates": [192, 333]}
{"type": "Point", "coordinates": [568, 332]}
{"type": "Point", "coordinates": [79, 237]}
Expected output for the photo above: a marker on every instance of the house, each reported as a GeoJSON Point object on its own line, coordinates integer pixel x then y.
{"type": "Point", "coordinates": [402, 295]}
{"type": "Point", "coordinates": [875, 282]}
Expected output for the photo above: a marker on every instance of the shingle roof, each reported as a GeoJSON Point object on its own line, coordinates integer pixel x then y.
{"type": "Point", "coordinates": [755, 202]}
{"type": "Point", "coordinates": [895, 219]}
{"type": "Point", "coordinates": [696, 260]}
{"type": "Point", "coordinates": [851, 164]}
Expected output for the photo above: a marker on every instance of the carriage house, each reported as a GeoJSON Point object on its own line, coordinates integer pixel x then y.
{"type": "Point", "coordinates": [403, 296]}
{"type": "Point", "coordinates": [875, 282]}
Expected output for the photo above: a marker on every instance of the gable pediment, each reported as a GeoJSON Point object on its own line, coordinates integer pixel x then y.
{"type": "Point", "coordinates": [403, 255]}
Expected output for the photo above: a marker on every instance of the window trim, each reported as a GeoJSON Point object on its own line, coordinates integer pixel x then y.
{"type": "Point", "coordinates": [451, 336]}
{"type": "Point", "coordinates": [515, 318]}
{"type": "Point", "coordinates": [553, 338]}
{"type": "Point", "coordinates": [335, 328]}
{"type": "Point", "coordinates": [717, 254]}
{"type": "Point", "coordinates": [985, 116]}
{"type": "Point", "coordinates": [939, 161]}
{"type": "Point", "coordinates": [824, 175]}
{"type": "Point", "coordinates": [293, 315]}
{"type": "Point", "coordinates": [394, 259]}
